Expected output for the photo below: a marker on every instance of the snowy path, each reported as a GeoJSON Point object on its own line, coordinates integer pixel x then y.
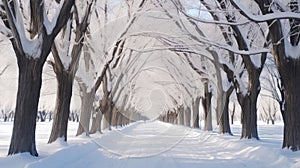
{"type": "Point", "coordinates": [157, 144]}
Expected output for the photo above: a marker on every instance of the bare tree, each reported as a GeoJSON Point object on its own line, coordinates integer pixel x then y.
{"type": "Point", "coordinates": [87, 95]}
{"type": "Point", "coordinates": [269, 114]}
{"type": "Point", "coordinates": [206, 103]}
{"type": "Point", "coordinates": [232, 113]}
{"type": "Point", "coordinates": [111, 58]}
{"type": "Point", "coordinates": [224, 126]}
{"type": "Point", "coordinates": [65, 71]}
{"type": "Point", "coordinates": [195, 105]}
{"type": "Point", "coordinates": [284, 36]}
{"type": "Point", "coordinates": [31, 53]}
{"type": "Point", "coordinates": [233, 35]}
{"type": "Point", "coordinates": [275, 81]}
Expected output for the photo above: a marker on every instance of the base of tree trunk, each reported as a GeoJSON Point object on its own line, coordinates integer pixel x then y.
{"type": "Point", "coordinates": [62, 107]}
{"type": "Point", "coordinates": [206, 102]}
{"type": "Point", "coordinates": [187, 117]}
{"type": "Point", "coordinates": [96, 123]}
{"type": "Point", "coordinates": [224, 126]}
{"type": "Point", "coordinates": [87, 100]}
{"type": "Point", "coordinates": [291, 138]}
{"type": "Point", "coordinates": [195, 105]}
{"type": "Point", "coordinates": [29, 85]}
{"type": "Point", "coordinates": [249, 119]}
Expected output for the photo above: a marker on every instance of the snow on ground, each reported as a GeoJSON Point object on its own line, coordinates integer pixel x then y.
{"type": "Point", "coordinates": [152, 144]}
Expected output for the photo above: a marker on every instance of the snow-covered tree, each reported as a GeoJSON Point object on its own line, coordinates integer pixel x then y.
{"type": "Point", "coordinates": [238, 40]}
{"type": "Point", "coordinates": [106, 47]}
{"type": "Point", "coordinates": [282, 18]}
{"type": "Point", "coordinates": [31, 33]}
{"type": "Point", "coordinates": [247, 96]}
{"type": "Point", "coordinates": [66, 51]}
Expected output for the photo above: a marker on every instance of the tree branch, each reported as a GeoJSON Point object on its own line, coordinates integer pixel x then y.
{"type": "Point", "coordinates": [63, 17]}
{"type": "Point", "coordinates": [264, 17]}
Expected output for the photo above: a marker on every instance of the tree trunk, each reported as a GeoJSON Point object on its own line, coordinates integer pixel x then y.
{"type": "Point", "coordinates": [173, 117]}
{"type": "Point", "coordinates": [132, 116]}
{"type": "Point", "coordinates": [114, 116]}
{"type": "Point", "coordinates": [96, 122]}
{"type": "Point", "coordinates": [108, 114]}
{"type": "Point", "coordinates": [120, 119]}
{"type": "Point", "coordinates": [248, 103]}
{"type": "Point", "coordinates": [50, 116]}
{"type": "Point", "coordinates": [103, 105]}
{"type": "Point", "coordinates": [105, 123]}
{"type": "Point", "coordinates": [289, 70]}
{"type": "Point", "coordinates": [273, 121]}
{"type": "Point", "coordinates": [180, 115]}
{"type": "Point", "coordinates": [124, 119]}
{"type": "Point", "coordinates": [62, 108]}
{"type": "Point", "coordinates": [249, 117]}
{"type": "Point", "coordinates": [224, 126]}
{"type": "Point", "coordinates": [29, 85]}
{"type": "Point", "coordinates": [87, 100]}
{"type": "Point", "coordinates": [187, 117]}
{"type": "Point", "coordinates": [122, 110]}
{"type": "Point", "coordinates": [291, 79]}
{"type": "Point", "coordinates": [206, 102]}
{"type": "Point", "coordinates": [176, 118]}
{"type": "Point", "coordinates": [117, 119]}
{"type": "Point", "coordinates": [168, 117]}
{"type": "Point", "coordinates": [232, 114]}
{"type": "Point", "coordinates": [195, 120]}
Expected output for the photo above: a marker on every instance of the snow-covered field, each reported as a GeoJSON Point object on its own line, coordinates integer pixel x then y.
{"type": "Point", "coordinates": [152, 144]}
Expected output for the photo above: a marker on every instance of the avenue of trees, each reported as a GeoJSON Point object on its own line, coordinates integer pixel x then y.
{"type": "Point", "coordinates": [208, 51]}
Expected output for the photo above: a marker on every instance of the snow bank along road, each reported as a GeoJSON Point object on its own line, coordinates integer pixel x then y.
{"type": "Point", "coordinates": [157, 144]}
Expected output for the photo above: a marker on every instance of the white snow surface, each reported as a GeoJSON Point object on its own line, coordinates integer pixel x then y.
{"type": "Point", "coordinates": [152, 144]}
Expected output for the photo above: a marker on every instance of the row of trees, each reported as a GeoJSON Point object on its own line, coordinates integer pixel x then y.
{"type": "Point", "coordinates": [103, 52]}
{"type": "Point", "coordinates": [250, 31]}
{"type": "Point", "coordinates": [63, 28]}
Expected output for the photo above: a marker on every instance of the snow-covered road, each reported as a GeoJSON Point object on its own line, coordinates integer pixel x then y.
{"type": "Point", "coordinates": [157, 144]}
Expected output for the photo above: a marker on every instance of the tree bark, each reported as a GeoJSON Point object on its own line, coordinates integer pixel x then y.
{"type": "Point", "coordinates": [180, 115]}
{"type": "Point", "coordinates": [114, 116]}
{"type": "Point", "coordinates": [105, 122]}
{"type": "Point", "coordinates": [187, 116]}
{"type": "Point", "coordinates": [120, 116]}
{"type": "Point", "coordinates": [118, 119]}
{"type": "Point", "coordinates": [96, 122]}
{"type": "Point", "coordinates": [248, 103]}
{"type": "Point", "coordinates": [108, 113]}
{"type": "Point", "coordinates": [249, 117]}
{"type": "Point", "coordinates": [62, 108]}
{"type": "Point", "coordinates": [232, 114]}
{"type": "Point", "coordinates": [29, 85]}
{"type": "Point", "coordinates": [206, 102]}
{"type": "Point", "coordinates": [103, 105]}
{"type": "Point", "coordinates": [291, 79]}
{"type": "Point", "coordinates": [99, 117]}
{"type": "Point", "coordinates": [87, 101]}
{"type": "Point", "coordinates": [122, 110]}
{"type": "Point", "coordinates": [224, 126]}
{"type": "Point", "coordinates": [289, 70]}
{"type": "Point", "coordinates": [176, 118]}
{"type": "Point", "coordinates": [195, 120]}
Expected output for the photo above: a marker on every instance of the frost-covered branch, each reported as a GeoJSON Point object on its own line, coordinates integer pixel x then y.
{"type": "Point", "coordinates": [117, 45]}
{"type": "Point", "coordinates": [204, 42]}
{"type": "Point", "coordinates": [12, 24]}
{"type": "Point", "coordinates": [266, 17]}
